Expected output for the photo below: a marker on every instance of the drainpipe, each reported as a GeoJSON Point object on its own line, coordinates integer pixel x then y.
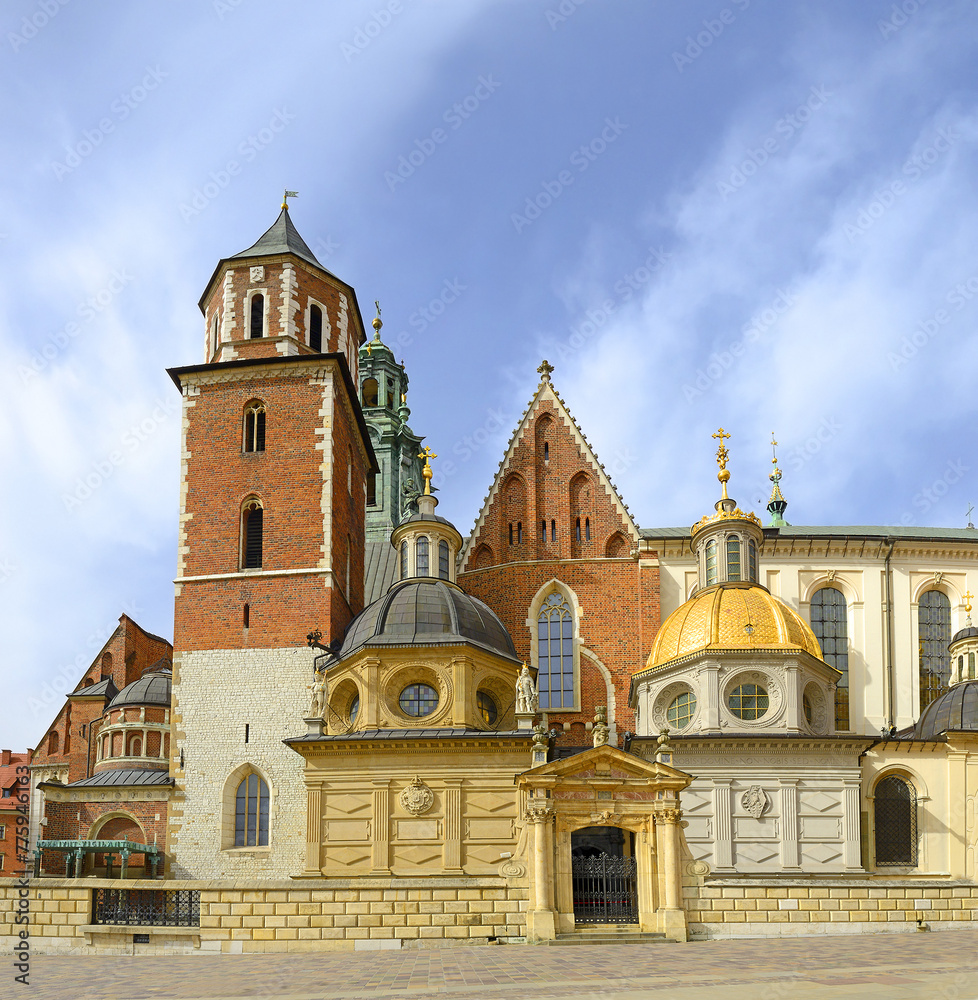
{"type": "Point", "coordinates": [888, 589]}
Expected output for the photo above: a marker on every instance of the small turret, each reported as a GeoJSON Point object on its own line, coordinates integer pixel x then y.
{"type": "Point", "coordinates": [777, 505]}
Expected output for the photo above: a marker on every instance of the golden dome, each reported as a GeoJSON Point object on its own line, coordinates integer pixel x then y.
{"type": "Point", "coordinates": [731, 616]}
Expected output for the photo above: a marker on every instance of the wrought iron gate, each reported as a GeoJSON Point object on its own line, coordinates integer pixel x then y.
{"type": "Point", "coordinates": [605, 890]}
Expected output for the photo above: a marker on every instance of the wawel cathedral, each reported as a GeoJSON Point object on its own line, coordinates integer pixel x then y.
{"type": "Point", "coordinates": [372, 731]}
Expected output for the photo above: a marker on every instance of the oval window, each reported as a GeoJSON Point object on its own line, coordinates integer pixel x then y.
{"type": "Point", "coordinates": [748, 701]}
{"type": "Point", "coordinates": [487, 708]}
{"type": "Point", "coordinates": [681, 711]}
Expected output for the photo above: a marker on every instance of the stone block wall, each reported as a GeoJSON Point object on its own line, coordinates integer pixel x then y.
{"type": "Point", "coordinates": [768, 907]}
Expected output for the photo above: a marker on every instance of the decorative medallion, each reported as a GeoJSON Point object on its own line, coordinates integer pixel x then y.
{"type": "Point", "coordinates": [417, 798]}
{"type": "Point", "coordinates": [755, 801]}
{"type": "Point", "coordinates": [258, 273]}
{"type": "Point", "coordinates": [511, 868]}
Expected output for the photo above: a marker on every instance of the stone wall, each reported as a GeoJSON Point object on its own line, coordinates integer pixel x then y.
{"type": "Point", "coordinates": [780, 907]}
{"type": "Point", "coordinates": [282, 916]}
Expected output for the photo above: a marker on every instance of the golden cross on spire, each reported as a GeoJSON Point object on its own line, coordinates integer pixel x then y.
{"type": "Point", "coordinates": [427, 454]}
{"type": "Point", "coordinates": [722, 455]}
{"type": "Point", "coordinates": [967, 601]}
{"type": "Point", "coordinates": [545, 369]}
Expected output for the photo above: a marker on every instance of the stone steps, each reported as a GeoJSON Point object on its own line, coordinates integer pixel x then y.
{"type": "Point", "coordinates": [607, 934]}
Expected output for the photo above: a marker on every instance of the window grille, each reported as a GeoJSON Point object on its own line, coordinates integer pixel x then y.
{"type": "Point", "coordinates": [830, 625]}
{"type": "Point", "coordinates": [895, 803]}
{"type": "Point", "coordinates": [147, 907]}
{"type": "Point", "coordinates": [933, 636]}
{"type": "Point", "coordinates": [555, 649]}
{"type": "Point", "coordinates": [257, 316]}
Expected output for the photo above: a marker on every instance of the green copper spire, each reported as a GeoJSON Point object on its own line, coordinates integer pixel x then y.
{"type": "Point", "coordinates": [777, 505]}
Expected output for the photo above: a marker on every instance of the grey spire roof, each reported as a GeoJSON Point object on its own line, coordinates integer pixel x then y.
{"type": "Point", "coordinates": [283, 237]}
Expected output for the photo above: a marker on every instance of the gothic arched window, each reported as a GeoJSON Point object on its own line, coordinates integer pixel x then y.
{"type": "Point", "coordinates": [251, 813]}
{"type": "Point", "coordinates": [555, 653]}
{"type": "Point", "coordinates": [252, 518]}
{"type": "Point", "coordinates": [257, 326]}
{"type": "Point", "coordinates": [895, 812]}
{"type": "Point", "coordinates": [830, 625]}
{"type": "Point", "coordinates": [933, 636]}
{"type": "Point", "coordinates": [316, 328]}
{"type": "Point", "coordinates": [254, 426]}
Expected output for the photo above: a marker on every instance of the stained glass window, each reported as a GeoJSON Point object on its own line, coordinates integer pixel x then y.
{"type": "Point", "coordinates": [733, 558]}
{"type": "Point", "coordinates": [681, 711]}
{"type": "Point", "coordinates": [251, 813]}
{"type": "Point", "coordinates": [487, 708]}
{"type": "Point", "coordinates": [829, 623]}
{"type": "Point", "coordinates": [933, 636]}
{"type": "Point", "coordinates": [421, 556]}
{"type": "Point", "coordinates": [555, 646]}
{"type": "Point", "coordinates": [418, 700]}
{"type": "Point", "coordinates": [748, 701]}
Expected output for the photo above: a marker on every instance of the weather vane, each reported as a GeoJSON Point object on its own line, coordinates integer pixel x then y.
{"type": "Point", "coordinates": [285, 198]}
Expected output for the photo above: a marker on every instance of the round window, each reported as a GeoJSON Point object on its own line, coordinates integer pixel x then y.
{"type": "Point", "coordinates": [418, 700]}
{"type": "Point", "coordinates": [806, 704]}
{"type": "Point", "coordinates": [487, 708]}
{"type": "Point", "coordinates": [354, 708]}
{"type": "Point", "coordinates": [682, 709]}
{"type": "Point", "coordinates": [748, 701]}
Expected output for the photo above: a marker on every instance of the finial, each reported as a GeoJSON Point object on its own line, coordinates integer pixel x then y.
{"type": "Point", "coordinates": [777, 504]}
{"type": "Point", "coordinates": [545, 369]}
{"type": "Point", "coordinates": [285, 198]}
{"type": "Point", "coordinates": [377, 323]}
{"type": "Point", "coordinates": [722, 455]}
{"type": "Point", "coordinates": [967, 607]}
{"type": "Point", "coordinates": [427, 454]}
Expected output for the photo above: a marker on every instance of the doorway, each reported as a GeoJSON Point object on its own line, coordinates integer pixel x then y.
{"type": "Point", "coordinates": [604, 876]}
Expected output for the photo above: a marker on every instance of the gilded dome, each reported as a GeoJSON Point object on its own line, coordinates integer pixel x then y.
{"type": "Point", "coordinates": [731, 616]}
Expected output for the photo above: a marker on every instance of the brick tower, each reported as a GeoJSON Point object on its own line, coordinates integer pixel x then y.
{"type": "Point", "coordinates": [274, 460]}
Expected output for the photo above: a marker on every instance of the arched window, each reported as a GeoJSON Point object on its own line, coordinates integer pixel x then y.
{"type": "Point", "coordinates": [971, 666]}
{"type": "Point", "coordinates": [751, 560]}
{"type": "Point", "coordinates": [587, 529]}
{"type": "Point", "coordinates": [895, 810]}
{"type": "Point", "coordinates": [252, 517]}
{"type": "Point", "coordinates": [443, 560]}
{"type": "Point", "coordinates": [577, 529]}
{"type": "Point", "coordinates": [421, 556]}
{"type": "Point", "coordinates": [830, 625]}
{"type": "Point", "coordinates": [933, 636]}
{"type": "Point", "coordinates": [510, 532]}
{"type": "Point", "coordinates": [316, 328]}
{"type": "Point", "coordinates": [555, 653]}
{"type": "Point", "coordinates": [404, 560]}
{"type": "Point", "coordinates": [257, 326]}
{"type": "Point", "coordinates": [254, 427]}
{"type": "Point", "coordinates": [371, 489]}
{"type": "Point", "coordinates": [543, 531]}
{"type": "Point", "coordinates": [519, 532]}
{"type": "Point", "coordinates": [54, 742]}
{"type": "Point", "coordinates": [733, 558]}
{"type": "Point", "coordinates": [369, 392]}
{"type": "Point", "coordinates": [711, 562]}
{"type": "Point", "coordinates": [553, 530]}
{"type": "Point", "coordinates": [135, 746]}
{"type": "Point", "coordinates": [251, 813]}
{"type": "Point", "coordinates": [214, 334]}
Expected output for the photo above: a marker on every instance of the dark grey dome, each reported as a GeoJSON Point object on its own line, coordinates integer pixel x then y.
{"type": "Point", "coordinates": [427, 612]}
{"type": "Point", "coordinates": [428, 517]}
{"type": "Point", "coordinates": [956, 709]}
{"type": "Point", "coordinates": [153, 688]}
{"type": "Point", "coordinates": [965, 633]}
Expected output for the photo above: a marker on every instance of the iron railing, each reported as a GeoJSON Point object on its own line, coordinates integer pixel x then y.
{"type": "Point", "coordinates": [605, 890]}
{"type": "Point", "coordinates": [896, 822]}
{"type": "Point", "coordinates": [147, 907]}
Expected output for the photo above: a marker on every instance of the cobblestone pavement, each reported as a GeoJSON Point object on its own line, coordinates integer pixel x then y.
{"type": "Point", "coordinates": [936, 966]}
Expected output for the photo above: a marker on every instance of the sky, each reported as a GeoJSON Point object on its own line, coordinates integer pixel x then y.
{"type": "Point", "coordinates": [759, 214]}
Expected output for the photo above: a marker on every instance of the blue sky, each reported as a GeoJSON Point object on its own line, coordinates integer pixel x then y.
{"type": "Point", "coordinates": [750, 213]}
